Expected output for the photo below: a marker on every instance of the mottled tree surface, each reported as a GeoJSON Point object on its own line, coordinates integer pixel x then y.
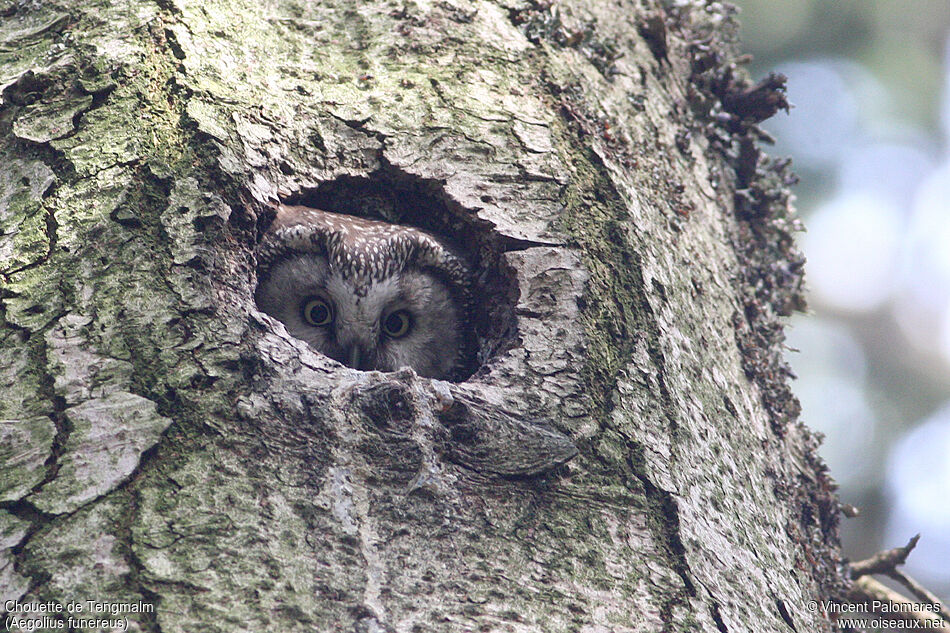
{"type": "Point", "coordinates": [628, 457]}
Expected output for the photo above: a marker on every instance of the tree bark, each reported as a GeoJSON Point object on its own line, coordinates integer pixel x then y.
{"type": "Point", "coordinates": [628, 456]}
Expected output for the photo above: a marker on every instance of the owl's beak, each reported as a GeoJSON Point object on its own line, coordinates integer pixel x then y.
{"type": "Point", "coordinates": [358, 358]}
{"type": "Point", "coordinates": [354, 360]}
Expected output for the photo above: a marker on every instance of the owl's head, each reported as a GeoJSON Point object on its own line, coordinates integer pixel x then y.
{"type": "Point", "coordinates": [368, 294]}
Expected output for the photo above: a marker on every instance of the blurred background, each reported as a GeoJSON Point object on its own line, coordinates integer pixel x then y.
{"type": "Point", "coordinates": [869, 135]}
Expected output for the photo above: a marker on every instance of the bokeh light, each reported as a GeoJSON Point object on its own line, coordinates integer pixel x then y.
{"type": "Point", "coordinates": [918, 477]}
{"type": "Point", "coordinates": [852, 247]}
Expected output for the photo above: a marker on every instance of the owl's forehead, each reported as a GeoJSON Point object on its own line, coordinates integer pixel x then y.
{"type": "Point", "coordinates": [361, 296]}
{"type": "Point", "coordinates": [362, 250]}
{"type": "Point", "coordinates": [354, 234]}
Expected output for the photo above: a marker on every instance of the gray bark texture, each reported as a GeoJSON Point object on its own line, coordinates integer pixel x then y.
{"type": "Point", "coordinates": [627, 457]}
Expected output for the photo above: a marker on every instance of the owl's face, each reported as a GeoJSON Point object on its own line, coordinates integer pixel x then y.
{"type": "Point", "coordinates": [406, 320]}
{"type": "Point", "coordinates": [368, 294]}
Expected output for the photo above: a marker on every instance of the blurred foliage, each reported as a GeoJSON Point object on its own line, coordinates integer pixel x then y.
{"type": "Point", "coordinates": [900, 41]}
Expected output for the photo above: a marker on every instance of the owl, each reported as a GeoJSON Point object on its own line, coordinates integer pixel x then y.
{"type": "Point", "coordinates": [368, 294]}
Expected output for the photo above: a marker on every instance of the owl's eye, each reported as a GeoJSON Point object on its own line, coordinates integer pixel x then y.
{"type": "Point", "coordinates": [397, 324]}
{"type": "Point", "coordinates": [317, 312]}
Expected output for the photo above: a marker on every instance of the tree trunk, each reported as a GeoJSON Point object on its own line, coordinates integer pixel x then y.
{"type": "Point", "coordinates": [628, 456]}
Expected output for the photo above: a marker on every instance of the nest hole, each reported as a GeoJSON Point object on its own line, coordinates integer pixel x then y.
{"type": "Point", "coordinates": [410, 201]}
